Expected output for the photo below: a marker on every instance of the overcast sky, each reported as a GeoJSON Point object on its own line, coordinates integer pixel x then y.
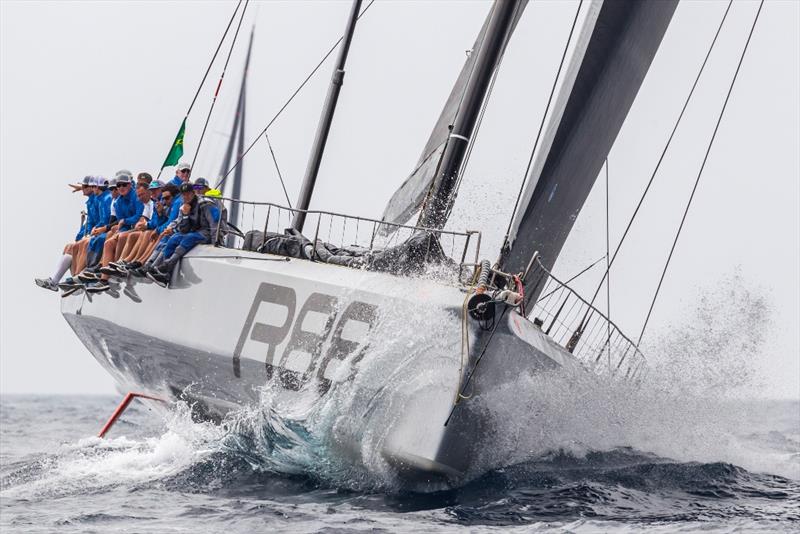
{"type": "Point", "coordinates": [92, 87]}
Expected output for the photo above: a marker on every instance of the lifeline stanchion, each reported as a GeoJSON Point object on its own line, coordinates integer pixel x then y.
{"type": "Point", "coordinates": [121, 408]}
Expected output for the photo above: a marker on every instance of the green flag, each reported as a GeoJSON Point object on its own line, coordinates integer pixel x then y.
{"type": "Point", "coordinates": [176, 151]}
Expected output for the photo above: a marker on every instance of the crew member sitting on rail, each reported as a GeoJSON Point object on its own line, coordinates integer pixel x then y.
{"type": "Point", "coordinates": [143, 178]}
{"type": "Point", "coordinates": [128, 241]}
{"type": "Point", "coordinates": [141, 239]}
{"type": "Point", "coordinates": [104, 231]}
{"type": "Point", "coordinates": [161, 234]}
{"type": "Point", "coordinates": [196, 224]}
{"type": "Point", "coordinates": [89, 220]}
{"type": "Point", "coordinates": [82, 255]}
{"type": "Point", "coordinates": [128, 209]}
{"type": "Point", "coordinates": [213, 196]}
{"type": "Point", "coordinates": [165, 231]}
{"type": "Point", "coordinates": [183, 172]}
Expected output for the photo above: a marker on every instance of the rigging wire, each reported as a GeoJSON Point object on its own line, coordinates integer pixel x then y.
{"type": "Point", "coordinates": [566, 283]}
{"type": "Point", "coordinates": [663, 153]}
{"type": "Point", "coordinates": [208, 69]}
{"type": "Point", "coordinates": [288, 101]}
{"type": "Point", "coordinates": [219, 84]}
{"type": "Point", "coordinates": [541, 125]}
{"type": "Point", "coordinates": [700, 172]}
{"type": "Point", "coordinates": [213, 58]}
{"type": "Point", "coordinates": [278, 169]}
{"type": "Point", "coordinates": [608, 266]}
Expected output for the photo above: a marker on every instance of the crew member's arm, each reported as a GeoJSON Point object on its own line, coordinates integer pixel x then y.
{"type": "Point", "coordinates": [133, 219]}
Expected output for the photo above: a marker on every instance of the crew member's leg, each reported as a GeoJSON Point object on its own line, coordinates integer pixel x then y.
{"type": "Point", "coordinates": [132, 245]}
{"type": "Point", "coordinates": [176, 248]}
{"type": "Point", "coordinates": [147, 250]}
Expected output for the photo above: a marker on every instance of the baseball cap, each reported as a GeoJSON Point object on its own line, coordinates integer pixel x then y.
{"type": "Point", "coordinates": [87, 180]}
{"type": "Point", "coordinates": [186, 187]}
{"type": "Point", "coordinates": [183, 166]}
{"type": "Point", "coordinates": [155, 184]}
{"type": "Point", "coordinates": [144, 177]}
{"type": "Point", "coordinates": [124, 177]}
{"type": "Point", "coordinates": [112, 183]}
{"type": "Point", "coordinates": [200, 183]}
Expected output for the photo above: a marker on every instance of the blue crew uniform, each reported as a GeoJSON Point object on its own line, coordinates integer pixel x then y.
{"type": "Point", "coordinates": [91, 218]}
{"type": "Point", "coordinates": [128, 209]}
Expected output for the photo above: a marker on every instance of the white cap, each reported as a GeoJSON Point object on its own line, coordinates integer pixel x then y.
{"type": "Point", "coordinates": [183, 165]}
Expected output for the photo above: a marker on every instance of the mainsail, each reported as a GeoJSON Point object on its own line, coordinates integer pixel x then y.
{"type": "Point", "coordinates": [237, 139]}
{"type": "Point", "coordinates": [612, 57]}
{"type": "Point", "coordinates": [412, 193]}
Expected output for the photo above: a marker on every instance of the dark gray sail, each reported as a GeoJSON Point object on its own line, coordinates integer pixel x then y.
{"type": "Point", "coordinates": [410, 196]}
{"type": "Point", "coordinates": [237, 139]}
{"type": "Point", "coordinates": [612, 57]}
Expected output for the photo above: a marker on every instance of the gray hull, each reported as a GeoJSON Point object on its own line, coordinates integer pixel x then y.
{"type": "Point", "coordinates": [228, 328]}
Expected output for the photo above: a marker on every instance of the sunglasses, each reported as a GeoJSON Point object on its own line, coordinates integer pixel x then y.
{"type": "Point", "coordinates": [187, 171]}
{"type": "Point", "coordinates": [123, 185]}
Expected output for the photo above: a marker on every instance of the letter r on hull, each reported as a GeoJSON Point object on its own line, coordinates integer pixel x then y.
{"type": "Point", "coordinates": [270, 335]}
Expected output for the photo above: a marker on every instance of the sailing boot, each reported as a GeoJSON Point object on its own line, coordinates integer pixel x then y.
{"type": "Point", "coordinates": [162, 270]}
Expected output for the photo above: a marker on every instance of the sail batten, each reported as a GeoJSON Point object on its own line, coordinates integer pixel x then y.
{"type": "Point", "coordinates": [612, 56]}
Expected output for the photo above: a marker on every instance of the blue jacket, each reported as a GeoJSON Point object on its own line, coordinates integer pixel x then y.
{"type": "Point", "coordinates": [177, 202]}
{"type": "Point", "coordinates": [174, 210]}
{"type": "Point", "coordinates": [156, 221]}
{"type": "Point", "coordinates": [91, 218]}
{"type": "Point", "coordinates": [129, 210]}
{"type": "Point", "coordinates": [104, 208]}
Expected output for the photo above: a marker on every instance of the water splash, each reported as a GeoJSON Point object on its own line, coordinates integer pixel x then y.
{"type": "Point", "coordinates": [92, 463]}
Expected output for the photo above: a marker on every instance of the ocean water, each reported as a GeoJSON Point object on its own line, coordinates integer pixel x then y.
{"type": "Point", "coordinates": [734, 466]}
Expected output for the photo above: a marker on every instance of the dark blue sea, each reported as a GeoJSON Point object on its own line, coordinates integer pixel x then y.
{"type": "Point", "coordinates": [162, 472]}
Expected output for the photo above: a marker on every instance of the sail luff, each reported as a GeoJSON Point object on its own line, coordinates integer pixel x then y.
{"type": "Point", "coordinates": [441, 197]}
{"type": "Point", "coordinates": [226, 160]}
{"type": "Point", "coordinates": [237, 135]}
{"type": "Point", "coordinates": [409, 197]}
{"type": "Point", "coordinates": [621, 40]}
{"type": "Point", "coordinates": [236, 192]}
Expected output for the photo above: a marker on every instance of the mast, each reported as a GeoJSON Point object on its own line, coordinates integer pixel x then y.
{"type": "Point", "coordinates": [237, 134]}
{"type": "Point", "coordinates": [441, 199]}
{"type": "Point", "coordinates": [325, 120]}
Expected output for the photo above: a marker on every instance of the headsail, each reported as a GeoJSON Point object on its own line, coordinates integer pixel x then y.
{"type": "Point", "coordinates": [612, 57]}
{"type": "Point", "coordinates": [411, 194]}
